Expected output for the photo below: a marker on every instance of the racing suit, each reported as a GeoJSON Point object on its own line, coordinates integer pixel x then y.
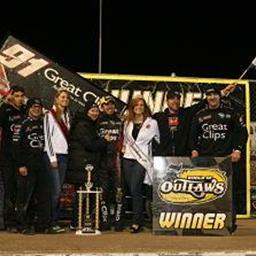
{"type": "Point", "coordinates": [110, 169]}
{"type": "Point", "coordinates": [9, 115]}
{"type": "Point", "coordinates": [218, 132]}
{"type": "Point", "coordinates": [33, 194]}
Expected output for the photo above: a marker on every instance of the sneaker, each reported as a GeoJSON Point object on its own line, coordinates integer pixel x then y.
{"type": "Point", "coordinates": [72, 228]}
{"type": "Point", "coordinates": [12, 229]}
{"type": "Point", "coordinates": [56, 230]}
{"type": "Point", "coordinates": [28, 231]}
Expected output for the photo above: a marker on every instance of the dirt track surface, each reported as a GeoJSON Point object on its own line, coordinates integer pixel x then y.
{"type": "Point", "coordinates": [243, 239]}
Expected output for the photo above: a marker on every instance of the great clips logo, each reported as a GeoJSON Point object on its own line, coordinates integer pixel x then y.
{"type": "Point", "coordinates": [193, 186]}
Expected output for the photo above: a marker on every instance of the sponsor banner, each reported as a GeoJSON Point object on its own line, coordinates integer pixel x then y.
{"type": "Point", "coordinates": [192, 196]}
{"type": "Point", "coordinates": [41, 77]}
{"type": "Point", "coordinates": [192, 90]}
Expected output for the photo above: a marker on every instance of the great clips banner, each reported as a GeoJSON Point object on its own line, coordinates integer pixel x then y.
{"type": "Point", "coordinates": [41, 77]}
{"type": "Point", "coordinates": [192, 196]}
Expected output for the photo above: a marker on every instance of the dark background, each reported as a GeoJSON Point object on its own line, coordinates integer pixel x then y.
{"type": "Point", "coordinates": [190, 38]}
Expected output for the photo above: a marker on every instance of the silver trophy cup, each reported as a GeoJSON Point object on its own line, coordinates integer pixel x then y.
{"type": "Point", "coordinates": [86, 225]}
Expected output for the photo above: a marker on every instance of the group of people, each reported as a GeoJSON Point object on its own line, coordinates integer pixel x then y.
{"type": "Point", "coordinates": [34, 152]}
{"type": "Point", "coordinates": [40, 151]}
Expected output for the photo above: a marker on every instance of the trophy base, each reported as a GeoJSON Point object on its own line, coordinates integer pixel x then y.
{"type": "Point", "coordinates": [88, 232]}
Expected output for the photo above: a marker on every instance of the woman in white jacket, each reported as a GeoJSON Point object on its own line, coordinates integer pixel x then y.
{"type": "Point", "coordinates": [139, 131]}
{"type": "Point", "coordinates": [56, 129]}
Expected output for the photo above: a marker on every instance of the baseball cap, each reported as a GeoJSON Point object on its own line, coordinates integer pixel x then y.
{"type": "Point", "coordinates": [212, 90]}
{"type": "Point", "coordinates": [173, 94]}
{"type": "Point", "coordinates": [107, 99]}
{"type": "Point", "coordinates": [34, 101]}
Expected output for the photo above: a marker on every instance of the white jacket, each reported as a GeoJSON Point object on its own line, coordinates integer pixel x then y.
{"type": "Point", "coordinates": [55, 141]}
{"type": "Point", "coordinates": [141, 148]}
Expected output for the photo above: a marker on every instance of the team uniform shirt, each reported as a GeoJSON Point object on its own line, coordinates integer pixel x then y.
{"type": "Point", "coordinates": [217, 132]}
{"type": "Point", "coordinates": [112, 125]}
{"type": "Point", "coordinates": [28, 142]}
{"type": "Point", "coordinates": [9, 116]}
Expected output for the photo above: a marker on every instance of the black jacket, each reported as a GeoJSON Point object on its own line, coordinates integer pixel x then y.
{"type": "Point", "coordinates": [28, 142]}
{"type": "Point", "coordinates": [217, 132]}
{"type": "Point", "coordinates": [85, 146]}
{"type": "Point", "coordinates": [9, 116]}
{"type": "Point", "coordinates": [174, 139]}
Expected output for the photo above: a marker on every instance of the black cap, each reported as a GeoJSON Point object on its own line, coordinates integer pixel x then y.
{"type": "Point", "coordinates": [212, 90]}
{"type": "Point", "coordinates": [173, 94]}
{"type": "Point", "coordinates": [88, 105]}
{"type": "Point", "coordinates": [107, 99]}
{"type": "Point", "coordinates": [34, 101]}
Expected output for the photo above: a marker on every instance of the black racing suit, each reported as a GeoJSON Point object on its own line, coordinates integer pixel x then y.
{"type": "Point", "coordinates": [9, 115]}
{"type": "Point", "coordinates": [174, 130]}
{"type": "Point", "coordinates": [110, 168]}
{"type": "Point", "coordinates": [217, 132]}
{"type": "Point", "coordinates": [33, 194]}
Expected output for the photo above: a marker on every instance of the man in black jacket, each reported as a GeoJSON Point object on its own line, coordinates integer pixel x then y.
{"type": "Point", "coordinates": [11, 112]}
{"type": "Point", "coordinates": [174, 125]}
{"type": "Point", "coordinates": [32, 180]}
{"type": "Point", "coordinates": [218, 130]}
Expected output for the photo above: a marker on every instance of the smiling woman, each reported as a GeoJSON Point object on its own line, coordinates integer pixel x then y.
{"type": "Point", "coordinates": [139, 132]}
{"type": "Point", "coordinates": [57, 122]}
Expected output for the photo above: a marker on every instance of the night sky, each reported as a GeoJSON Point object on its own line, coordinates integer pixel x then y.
{"type": "Point", "coordinates": [139, 37]}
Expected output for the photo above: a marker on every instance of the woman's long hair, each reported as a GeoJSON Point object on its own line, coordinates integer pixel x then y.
{"type": "Point", "coordinates": [57, 109]}
{"type": "Point", "coordinates": [130, 115]}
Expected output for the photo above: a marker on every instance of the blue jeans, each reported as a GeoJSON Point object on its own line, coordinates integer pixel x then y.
{"type": "Point", "coordinates": [134, 174]}
{"type": "Point", "coordinates": [57, 177]}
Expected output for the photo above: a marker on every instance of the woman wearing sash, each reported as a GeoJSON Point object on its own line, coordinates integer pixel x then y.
{"type": "Point", "coordinates": [56, 131]}
{"type": "Point", "coordinates": [139, 132]}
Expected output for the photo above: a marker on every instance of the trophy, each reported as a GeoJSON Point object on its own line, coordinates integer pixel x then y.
{"type": "Point", "coordinates": [85, 223]}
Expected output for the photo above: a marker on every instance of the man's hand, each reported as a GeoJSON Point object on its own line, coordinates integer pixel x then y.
{"type": "Point", "coordinates": [23, 171]}
{"type": "Point", "coordinates": [228, 89]}
{"type": "Point", "coordinates": [235, 155]}
{"type": "Point", "coordinates": [194, 153]}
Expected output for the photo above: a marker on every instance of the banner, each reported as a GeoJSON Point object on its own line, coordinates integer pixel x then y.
{"type": "Point", "coordinates": [192, 196]}
{"type": "Point", "coordinates": [41, 77]}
